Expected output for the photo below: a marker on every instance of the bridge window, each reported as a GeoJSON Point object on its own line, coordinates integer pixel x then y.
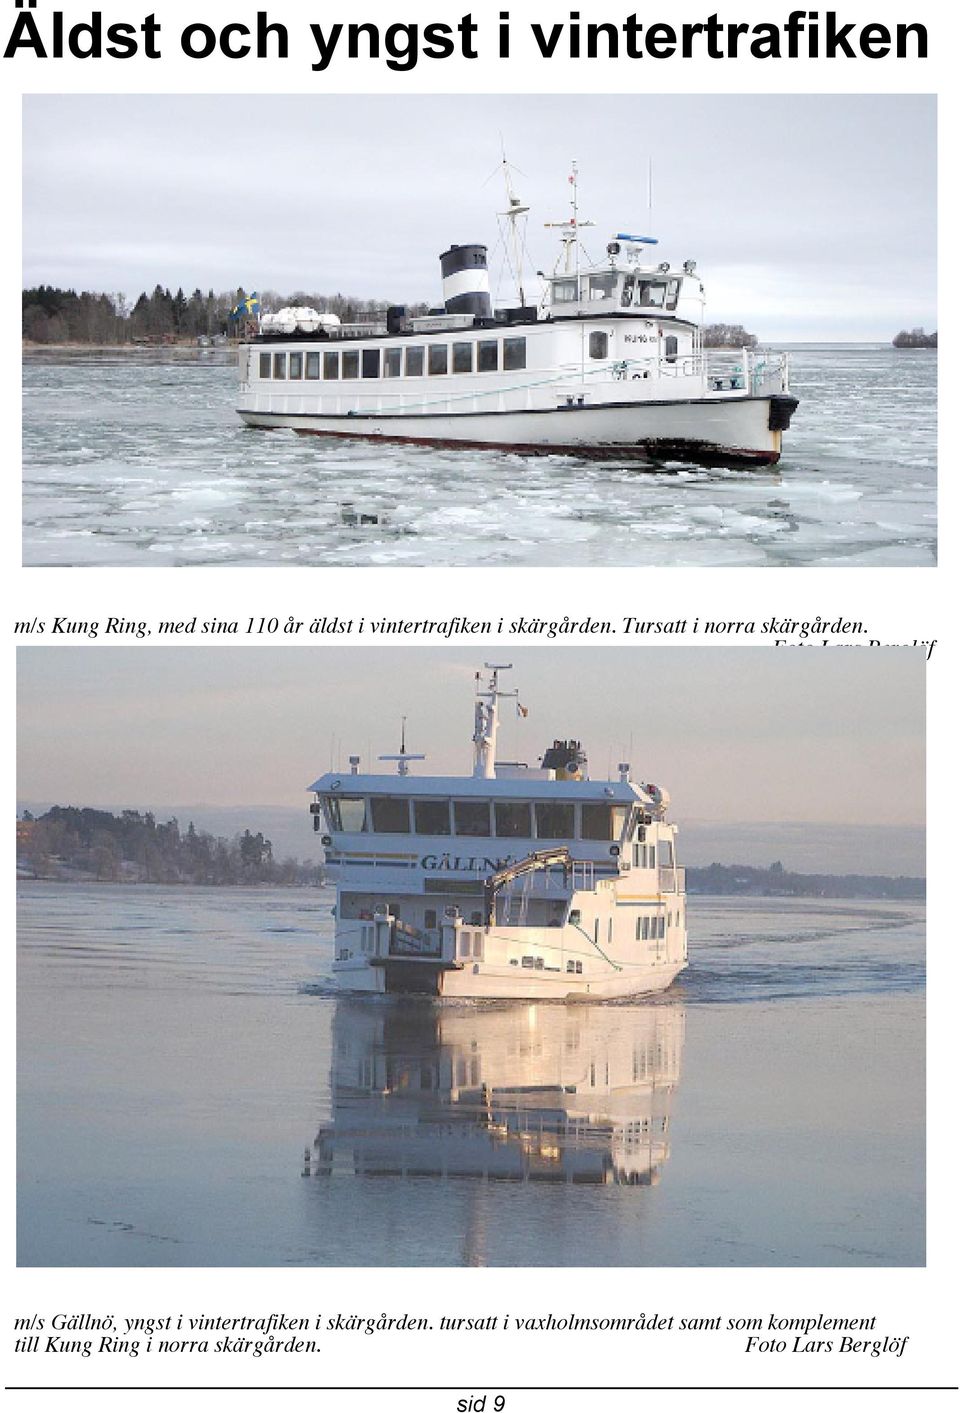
{"type": "Point", "coordinates": [371, 362]}
{"type": "Point", "coordinates": [264, 365]}
{"type": "Point", "coordinates": [488, 358]}
{"type": "Point", "coordinates": [279, 365]}
{"type": "Point", "coordinates": [313, 365]}
{"type": "Point", "coordinates": [437, 358]}
{"type": "Point", "coordinates": [554, 821]}
{"type": "Point", "coordinates": [565, 292]}
{"type": "Point", "coordinates": [331, 365]}
{"type": "Point", "coordinates": [414, 361]}
{"type": "Point", "coordinates": [651, 292]}
{"type": "Point", "coordinates": [600, 344]}
{"type": "Point", "coordinates": [431, 816]}
{"type": "Point", "coordinates": [463, 357]}
{"type": "Point", "coordinates": [471, 817]}
{"type": "Point", "coordinates": [345, 813]}
{"type": "Point", "coordinates": [390, 814]}
{"type": "Point", "coordinates": [296, 365]}
{"type": "Point", "coordinates": [391, 362]}
{"type": "Point", "coordinates": [512, 821]}
{"type": "Point", "coordinates": [602, 286]}
{"type": "Point", "coordinates": [351, 364]}
{"type": "Point", "coordinates": [514, 354]}
{"type": "Point", "coordinates": [602, 821]}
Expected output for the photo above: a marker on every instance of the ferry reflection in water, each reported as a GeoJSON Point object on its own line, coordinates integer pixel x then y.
{"type": "Point", "coordinates": [529, 1092]}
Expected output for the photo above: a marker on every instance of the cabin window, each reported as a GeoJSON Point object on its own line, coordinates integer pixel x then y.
{"type": "Point", "coordinates": [670, 348]}
{"type": "Point", "coordinates": [601, 286]}
{"type": "Point", "coordinates": [512, 821]}
{"type": "Point", "coordinates": [626, 296]}
{"type": "Point", "coordinates": [514, 354]}
{"type": "Point", "coordinates": [471, 817]}
{"type": "Point", "coordinates": [296, 365]}
{"type": "Point", "coordinates": [673, 293]}
{"type": "Point", "coordinates": [651, 293]}
{"type": "Point", "coordinates": [392, 358]}
{"type": "Point", "coordinates": [463, 357]}
{"type": "Point", "coordinates": [488, 360]}
{"type": "Point", "coordinates": [565, 292]}
{"type": "Point", "coordinates": [431, 816]}
{"type": "Point", "coordinates": [575, 917]}
{"type": "Point", "coordinates": [437, 356]}
{"type": "Point", "coordinates": [430, 917]}
{"type": "Point", "coordinates": [575, 966]}
{"type": "Point", "coordinates": [351, 364]}
{"type": "Point", "coordinates": [665, 852]}
{"type": "Point", "coordinates": [371, 362]}
{"type": "Point", "coordinates": [264, 365]}
{"type": "Point", "coordinates": [331, 365]}
{"type": "Point", "coordinates": [414, 361]}
{"type": "Point", "coordinates": [345, 813]}
{"type": "Point", "coordinates": [313, 365]}
{"type": "Point", "coordinates": [390, 814]}
{"type": "Point", "coordinates": [279, 365]}
{"type": "Point", "coordinates": [599, 344]}
{"type": "Point", "coordinates": [554, 821]}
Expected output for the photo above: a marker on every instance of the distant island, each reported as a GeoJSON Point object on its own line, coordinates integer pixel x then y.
{"type": "Point", "coordinates": [73, 845]}
{"type": "Point", "coordinates": [743, 881]}
{"type": "Point", "coordinates": [727, 336]}
{"type": "Point", "coordinates": [916, 338]}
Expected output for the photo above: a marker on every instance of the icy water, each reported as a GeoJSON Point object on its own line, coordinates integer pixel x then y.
{"type": "Point", "coordinates": [141, 460]}
{"type": "Point", "coordinates": [191, 1093]}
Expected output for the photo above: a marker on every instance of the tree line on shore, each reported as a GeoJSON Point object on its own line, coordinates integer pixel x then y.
{"type": "Point", "coordinates": [88, 844]}
{"type": "Point", "coordinates": [52, 316]}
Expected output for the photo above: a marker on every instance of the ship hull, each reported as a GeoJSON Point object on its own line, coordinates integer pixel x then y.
{"type": "Point", "coordinates": [423, 978]}
{"type": "Point", "coordinates": [742, 431]}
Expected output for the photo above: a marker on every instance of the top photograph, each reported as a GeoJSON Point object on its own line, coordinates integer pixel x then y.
{"type": "Point", "coordinates": [503, 331]}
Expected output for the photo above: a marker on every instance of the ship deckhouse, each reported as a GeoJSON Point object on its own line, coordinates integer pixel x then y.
{"type": "Point", "coordinates": [609, 362]}
{"type": "Point", "coordinates": [509, 882]}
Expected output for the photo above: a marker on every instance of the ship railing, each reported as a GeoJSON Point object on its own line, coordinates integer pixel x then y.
{"type": "Point", "coordinates": [750, 372]}
{"type": "Point", "coordinates": [671, 879]}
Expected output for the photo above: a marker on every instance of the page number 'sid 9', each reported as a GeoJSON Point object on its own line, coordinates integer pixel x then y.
{"type": "Point", "coordinates": [482, 1403]}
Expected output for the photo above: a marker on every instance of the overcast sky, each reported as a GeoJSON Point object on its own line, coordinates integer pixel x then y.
{"type": "Point", "coordinates": [832, 736]}
{"type": "Point", "coordinates": [810, 216]}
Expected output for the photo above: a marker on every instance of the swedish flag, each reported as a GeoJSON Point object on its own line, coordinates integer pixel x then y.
{"type": "Point", "coordinates": [248, 308]}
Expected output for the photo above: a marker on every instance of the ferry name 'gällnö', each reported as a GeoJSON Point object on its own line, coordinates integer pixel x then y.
{"type": "Point", "coordinates": [510, 882]}
{"type": "Point", "coordinates": [610, 363]}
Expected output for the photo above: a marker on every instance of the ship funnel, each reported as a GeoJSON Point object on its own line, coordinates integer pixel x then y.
{"type": "Point", "coordinates": [466, 285]}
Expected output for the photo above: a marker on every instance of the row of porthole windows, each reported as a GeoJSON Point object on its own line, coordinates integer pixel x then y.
{"type": "Point", "coordinates": [409, 361]}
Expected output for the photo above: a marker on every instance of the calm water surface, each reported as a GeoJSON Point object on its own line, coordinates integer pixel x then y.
{"type": "Point", "coordinates": [141, 460]}
{"type": "Point", "coordinates": [191, 1093]}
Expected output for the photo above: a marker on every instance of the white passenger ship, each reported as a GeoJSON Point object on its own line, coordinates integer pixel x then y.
{"type": "Point", "coordinates": [512, 882]}
{"type": "Point", "coordinates": [609, 364]}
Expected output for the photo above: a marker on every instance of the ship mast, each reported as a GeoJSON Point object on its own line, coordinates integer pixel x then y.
{"type": "Point", "coordinates": [570, 231]}
{"type": "Point", "coordinates": [515, 209]}
{"type": "Point", "coordinates": [487, 720]}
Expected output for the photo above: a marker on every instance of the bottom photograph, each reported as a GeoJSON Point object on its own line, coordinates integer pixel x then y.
{"type": "Point", "coordinates": [471, 957]}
